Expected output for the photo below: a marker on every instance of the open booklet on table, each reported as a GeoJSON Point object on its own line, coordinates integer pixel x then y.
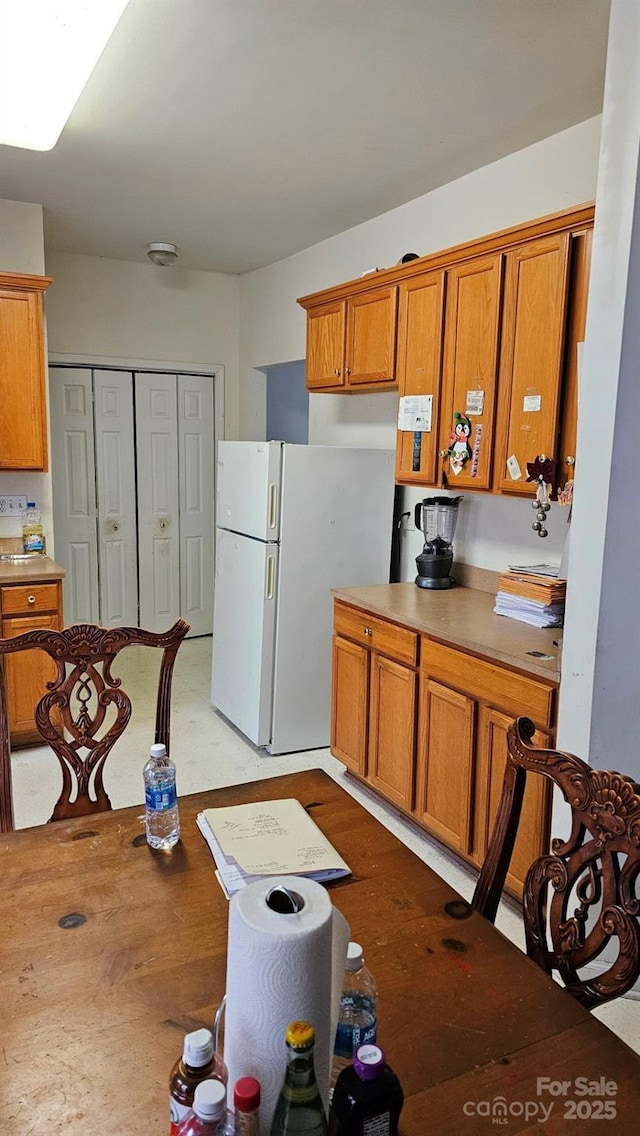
{"type": "Point", "coordinates": [269, 838]}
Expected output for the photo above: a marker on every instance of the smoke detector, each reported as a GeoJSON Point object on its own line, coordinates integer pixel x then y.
{"type": "Point", "coordinates": [161, 253]}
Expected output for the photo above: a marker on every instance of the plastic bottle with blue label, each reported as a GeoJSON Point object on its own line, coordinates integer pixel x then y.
{"type": "Point", "coordinates": [33, 541]}
{"type": "Point", "coordinates": [161, 799]}
{"type": "Point", "coordinates": [357, 1021]}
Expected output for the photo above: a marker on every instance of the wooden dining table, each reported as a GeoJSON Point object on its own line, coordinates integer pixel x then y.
{"type": "Point", "coordinates": [110, 952]}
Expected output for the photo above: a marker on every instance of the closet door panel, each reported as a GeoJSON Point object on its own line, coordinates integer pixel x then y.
{"type": "Point", "coordinates": [158, 499]}
{"type": "Point", "coordinates": [116, 497]}
{"type": "Point", "coordinates": [74, 490]}
{"type": "Point", "coordinates": [195, 480]}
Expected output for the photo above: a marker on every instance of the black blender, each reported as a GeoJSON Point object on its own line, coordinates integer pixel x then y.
{"type": "Point", "coordinates": [436, 517]}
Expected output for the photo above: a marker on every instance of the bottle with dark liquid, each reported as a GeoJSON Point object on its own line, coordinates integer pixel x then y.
{"type": "Point", "coordinates": [299, 1110]}
{"type": "Point", "coordinates": [367, 1098]}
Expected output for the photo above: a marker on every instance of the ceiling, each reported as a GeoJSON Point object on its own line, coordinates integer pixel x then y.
{"type": "Point", "coordinates": [245, 130]}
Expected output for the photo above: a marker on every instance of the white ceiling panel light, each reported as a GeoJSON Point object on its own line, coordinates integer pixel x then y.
{"type": "Point", "coordinates": [48, 49]}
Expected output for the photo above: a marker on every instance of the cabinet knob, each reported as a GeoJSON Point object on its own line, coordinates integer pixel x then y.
{"type": "Point", "coordinates": [443, 453]}
{"type": "Point", "coordinates": [569, 461]}
{"type": "Point", "coordinates": [347, 370]}
{"type": "Point", "coordinates": [337, 372]}
{"type": "Point", "coordinates": [31, 599]}
{"type": "Point", "coordinates": [367, 631]}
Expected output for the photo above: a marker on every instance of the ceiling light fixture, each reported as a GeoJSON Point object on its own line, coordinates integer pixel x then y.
{"type": "Point", "coordinates": [161, 253]}
{"type": "Point", "coordinates": [48, 49]}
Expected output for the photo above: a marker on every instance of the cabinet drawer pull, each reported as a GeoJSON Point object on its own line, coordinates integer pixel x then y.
{"type": "Point", "coordinates": [367, 630]}
{"type": "Point", "coordinates": [31, 599]}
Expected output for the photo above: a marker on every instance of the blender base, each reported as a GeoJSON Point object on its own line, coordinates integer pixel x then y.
{"type": "Point", "coordinates": [432, 582]}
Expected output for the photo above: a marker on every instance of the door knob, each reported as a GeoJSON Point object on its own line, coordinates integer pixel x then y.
{"type": "Point", "coordinates": [115, 527]}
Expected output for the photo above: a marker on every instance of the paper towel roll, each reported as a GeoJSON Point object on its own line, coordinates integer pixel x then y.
{"type": "Point", "coordinates": [281, 966]}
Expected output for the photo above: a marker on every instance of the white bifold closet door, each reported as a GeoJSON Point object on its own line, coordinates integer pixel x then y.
{"type": "Point", "coordinates": [132, 472]}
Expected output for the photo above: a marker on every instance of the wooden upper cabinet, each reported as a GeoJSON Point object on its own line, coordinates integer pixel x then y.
{"type": "Point", "coordinates": [470, 378]}
{"type": "Point", "coordinates": [326, 326]}
{"type": "Point", "coordinates": [581, 243]}
{"type": "Point", "coordinates": [419, 368]}
{"type": "Point", "coordinates": [370, 355]}
{"type": "Point", "coordinates": [23, 417]}
{"type": "Point", "coordinates": [532, 348]}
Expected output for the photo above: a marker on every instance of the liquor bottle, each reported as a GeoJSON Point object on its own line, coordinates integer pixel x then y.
{"type": "Point", "coordinates": [357, 1016]}
{"type": "Point", "coordinates": [368, 1097]}
{"type": "Point", "coordinates": [299, 1110]}
{"type": "Point", "coordinates": [160, 797]}
{"type": "Point", "coordinates": [198, 1063]}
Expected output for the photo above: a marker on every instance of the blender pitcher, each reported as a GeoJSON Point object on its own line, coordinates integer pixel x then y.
{"type": "Point", "coordinates": [436, 517]}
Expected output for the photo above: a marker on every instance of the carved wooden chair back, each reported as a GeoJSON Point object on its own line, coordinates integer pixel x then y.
{"type": "Point", "coordinates": [84, 710]}
{"type": "Point", "coordinates": [582, 898]}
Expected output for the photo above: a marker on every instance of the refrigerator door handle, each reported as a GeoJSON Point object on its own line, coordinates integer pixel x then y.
{"type": "Point", "coordinates": [273, 505]}
{"type": "Point", "coordinates": [270, 577]}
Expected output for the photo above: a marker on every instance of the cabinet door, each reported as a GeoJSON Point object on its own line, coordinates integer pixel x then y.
{"type": "Point", "coordinates": [325, 345]}
{"type": "Point", "coordinates": [445, 763]}
{"type": "Point", "coordinates": [23, 428]}
{"type": "Point", "coordinates": [576, 326]}
{"type": "Point", "coordinates": [370, 354]}
{"type": "Point", "coordinates": [349, 704]}
{"type": "Point", "coordinates": [26, 675]}
{"type": "Point", "coordinates": [531, 358]}
{"type": "Point", "coordinates": [419, 364]}
{"type": "Point", "coordinates": [392, 730]}
{"type": "Point", "coordinates": [470, 374]}
{"type": "Point", "coordinates": [532, 840]}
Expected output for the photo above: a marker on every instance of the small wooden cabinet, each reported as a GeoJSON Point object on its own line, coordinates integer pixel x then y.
{"type": "Point", "coordinates": [374, 701]}
{"type": "Point", "coordinates": [28, 607]}
{"type": "Point", "coordinates": [432, 741]}
{"type": "Point", "coordinates": [351, 342]}
{"type": "Point", "coordinates": [23, 417]}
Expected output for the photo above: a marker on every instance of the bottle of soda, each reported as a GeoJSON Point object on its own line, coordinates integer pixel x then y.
{"type": "Point", "coordinates": [368, 1097]}
{"type": "Point", "coordinates": [209, 1114]}
{"type": "Point", "coordinates": [198, 1063]}
{"type": "Point", "coordinates": [299, 1110]}
{"type": "Point", "coordinates": [161, 800]}
{"type": "Point", "coordinates": [357, 1022]}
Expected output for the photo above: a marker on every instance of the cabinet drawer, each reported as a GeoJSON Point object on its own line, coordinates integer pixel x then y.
{"type": "Point", "coordinates": [27, 598]}
{"type": "Point", "coordinates": [378, 634]}
{"type": "Point", "coordinates": [489, 682]}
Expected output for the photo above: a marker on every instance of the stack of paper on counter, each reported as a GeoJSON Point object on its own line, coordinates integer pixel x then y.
{"type": "Point", "coordinates": [532, 597]}
{"type": "Point", "coordinates": [269, 838]}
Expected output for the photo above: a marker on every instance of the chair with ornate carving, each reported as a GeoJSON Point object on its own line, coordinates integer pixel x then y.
{"type": "Point", "coordinates": [580, 904]}
{"type": "Point", "coordinates": [84, 709]}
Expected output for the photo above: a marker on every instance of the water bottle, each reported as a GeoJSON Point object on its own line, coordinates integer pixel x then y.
{"type": "Point", "coordinates": [32, 530]}
{"type": "Point", "coordinates": [209, 1114]}
{"type": "Point", "coordinates": [161, 799]}
{"type": "Point", "coordinates": [357, 1017]}
{"type": "Point", "coordinates": [368, 1096]}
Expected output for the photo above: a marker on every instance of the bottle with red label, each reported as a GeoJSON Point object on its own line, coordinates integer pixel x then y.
{"type": "Point", "coordinates": [199, 1061]}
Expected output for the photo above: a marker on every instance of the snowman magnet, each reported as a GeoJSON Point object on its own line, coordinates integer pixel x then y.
{"type": "Point", "coordinates": [459, 449]}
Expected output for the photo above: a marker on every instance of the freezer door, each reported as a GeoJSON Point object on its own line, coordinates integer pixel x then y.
{"type": "Point", "coordinates": [248, 488]}
{"type": "Point", "coordinates": [244, 618]}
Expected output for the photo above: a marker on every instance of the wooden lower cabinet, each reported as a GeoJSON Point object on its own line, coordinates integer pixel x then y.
{"type": "Point", "coordinates": [433, 741]}
{"type": "Point", "coordinates": [28, 607]}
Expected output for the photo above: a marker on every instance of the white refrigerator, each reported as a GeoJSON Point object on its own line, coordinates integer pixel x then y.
{"type": "Point", "coordinates": [292, 522]}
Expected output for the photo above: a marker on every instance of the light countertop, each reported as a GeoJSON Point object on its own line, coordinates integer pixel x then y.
{"type": "Point", "coordinates": [463, 617]}
{"type": "Point", "coordinates": [36, 570]}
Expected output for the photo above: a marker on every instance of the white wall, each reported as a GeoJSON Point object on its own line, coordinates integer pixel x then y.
{"type": "Point", "coordinates": [129, 310]}
{"type": "Point", "coordinates": [22, 250]}
{"type": "Point", "coordinates": [554, 174]}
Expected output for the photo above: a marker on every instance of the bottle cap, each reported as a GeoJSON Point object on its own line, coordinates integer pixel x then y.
{"type": "Point", "coordinates": [300, 1035]}
{"type": "Point", "coordinates": [158, 750]}
{"type": "Point", "coordinates": [198, 1048]}
{"type": "Point", "coordinates": [368, 1062]}
{"type": "Point", "coordinates": [246, 1094]}
{"type": "Point", "coordinates": [210, 1100]}
{"type": "Point", "coordinates": [355, 957]}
